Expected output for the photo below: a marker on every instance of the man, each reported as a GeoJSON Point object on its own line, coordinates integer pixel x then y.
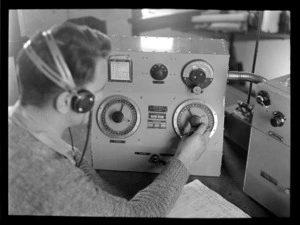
{"type": "Point", "coordinates": [43, 176]}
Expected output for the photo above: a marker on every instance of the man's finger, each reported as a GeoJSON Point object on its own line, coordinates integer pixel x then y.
{"type": "Point", "coordinates": [187, 128]}
{"type": "Point", "coordinates": [201, 129]}
{"type": "Point", "coordinates": [206, 133]}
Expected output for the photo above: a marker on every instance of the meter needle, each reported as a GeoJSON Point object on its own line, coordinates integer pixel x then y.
{"type": "Point", "coordinates": [122, 107]}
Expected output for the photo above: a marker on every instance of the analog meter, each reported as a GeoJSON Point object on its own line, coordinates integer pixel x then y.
{"type": "Point", "coordinates": [118, 117]}
{"type": "Point", "coordinates": [197, 75]}
{"type": "Point", "coordinates": [195, 112]}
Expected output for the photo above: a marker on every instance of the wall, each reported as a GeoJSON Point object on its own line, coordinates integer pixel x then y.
{"type": "Point", "coordinates": [273, 57]}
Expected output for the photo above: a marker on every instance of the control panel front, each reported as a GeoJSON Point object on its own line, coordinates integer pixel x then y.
{"type": "Point", "coordinates": [155, 86]}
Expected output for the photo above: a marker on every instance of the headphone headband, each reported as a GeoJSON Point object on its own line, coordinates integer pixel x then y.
{"type": "Point", "coordinates": [59, 59]}
{"type": "Point", "coordinates": [44, 68]}
{"type": "Point", "coordinates": [64, 78]}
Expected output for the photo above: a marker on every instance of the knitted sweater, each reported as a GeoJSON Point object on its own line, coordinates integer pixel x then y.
{"type": "Point", "coordinates": [44, 182]}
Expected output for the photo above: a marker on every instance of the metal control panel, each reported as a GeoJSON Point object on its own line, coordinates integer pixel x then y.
{"type": "Point", "coordinates": [155, 85]}
{"type": "Point", "coordinates": [267, 177]}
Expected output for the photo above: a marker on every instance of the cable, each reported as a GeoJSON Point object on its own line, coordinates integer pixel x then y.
{"type": "Point", "coordinates": [87, 139]}
{"type": "Point", "coordinates": [70, 133]}
{"type": "Point", "coordinates": [255, 52]}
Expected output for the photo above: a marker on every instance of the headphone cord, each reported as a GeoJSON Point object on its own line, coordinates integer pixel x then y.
{"type": "Point", "coordinates": [87, 139]}
{"type": "Point", "coordinates": [70, 133]}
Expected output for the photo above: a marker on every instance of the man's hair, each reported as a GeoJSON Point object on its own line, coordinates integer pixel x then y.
{"type": "Point", "coordinates": [80, 46]}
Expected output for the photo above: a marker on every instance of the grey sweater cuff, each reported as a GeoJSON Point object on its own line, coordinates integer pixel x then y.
{"type": "Point", "coordinates": [176, 171]}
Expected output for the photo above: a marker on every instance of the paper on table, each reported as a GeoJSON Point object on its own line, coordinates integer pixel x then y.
{"type": "Point", "coordinates": [198, 201]}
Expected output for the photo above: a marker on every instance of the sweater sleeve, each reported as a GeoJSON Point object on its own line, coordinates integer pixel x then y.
{"type": "Point", "coordinates": [81, 195]}
{"type": "Point", "coordinates": [41, 182]}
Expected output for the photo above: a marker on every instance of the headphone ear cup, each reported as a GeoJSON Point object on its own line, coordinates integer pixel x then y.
{"type": "Point", "coordinates": [83, 101]}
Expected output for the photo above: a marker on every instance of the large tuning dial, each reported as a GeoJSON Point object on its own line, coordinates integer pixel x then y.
{"type": "Point", "coordinates": [195, 112]}
{"type": "Point", "coordinates": [118, 116]}
{"type": "Point", "coordinates": [197, 75]}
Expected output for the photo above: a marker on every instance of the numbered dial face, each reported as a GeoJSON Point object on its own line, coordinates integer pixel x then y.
{"type": "Point", "coordinates": [118, 117]}
{"type": "Point", "coordinates": [197, 73]}
{"type": "Point", "coordinates": [195, 112]}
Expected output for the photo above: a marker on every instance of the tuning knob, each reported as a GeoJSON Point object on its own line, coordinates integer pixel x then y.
{"type": "Point", "coordinates": [197, 76]}
{"type": "Point", "coordinates": [158, 71]}
{"type": "Point", "coordinates": [117, 117]}
{"type": "Point", "coordinates": [195, 120]}
{"type": "Point", "coordinates": [263, 98]}
{"type": "Point", "coordinates": [278, 119]}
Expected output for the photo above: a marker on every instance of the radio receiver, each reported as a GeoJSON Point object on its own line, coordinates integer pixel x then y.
{"type": "Point", "coordinates": [155, 85]}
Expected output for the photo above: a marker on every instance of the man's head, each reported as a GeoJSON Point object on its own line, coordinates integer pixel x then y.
{"type": "Point", "coordinates": [81, 47]}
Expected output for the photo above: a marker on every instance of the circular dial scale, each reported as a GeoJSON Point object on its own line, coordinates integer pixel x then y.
{"type": "Point", "coordinates": [194, 109]}
{"type": "Point", "coordinates": [198, 73]}
{"type": "Point", "coordinates": [118, 117]}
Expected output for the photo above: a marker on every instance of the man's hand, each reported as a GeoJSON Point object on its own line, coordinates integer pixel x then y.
{"type": "Point", "coordinates": [191, 147]}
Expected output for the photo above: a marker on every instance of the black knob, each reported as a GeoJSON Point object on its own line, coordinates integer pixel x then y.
{"type": "Point", "coordinates": [197, 76]}
{"type": "Point", "coordinates": [117, 117]}
{"type": "Point", "coordinates": [159, 71]}
{"type": "Point", "coordinates": [155, 158]}
{"type": "Point", "coordinates": [195, 120]}
{"type": "Point", "coordinates": [263, 98]}
{"type": "Point", "coordinates": [278, 119]}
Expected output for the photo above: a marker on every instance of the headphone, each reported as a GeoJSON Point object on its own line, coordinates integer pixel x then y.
{"type": "Point", "coordinates": [82, 100]}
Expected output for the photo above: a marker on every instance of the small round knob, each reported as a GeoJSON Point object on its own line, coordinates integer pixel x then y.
{"type": "Point", "coordinates": [263, 98]}
{"type": "Point", "coordinates": [117, 117]}
{"type": "Point", "coordinates": [159, 71]}
{"type": "Point", "coordinates": [155, 158]}
{"type": "Point", "coordinates": [195, 120]}
{"type": "Point", "coordinates": [197, 90]}
{"type": "Point", "coordinates": [278, 119]}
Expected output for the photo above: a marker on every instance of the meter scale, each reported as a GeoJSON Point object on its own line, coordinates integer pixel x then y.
{"type": "Point", "coordinates": [118, 117]}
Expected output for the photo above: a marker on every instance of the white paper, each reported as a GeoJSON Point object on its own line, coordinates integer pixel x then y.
{"type": "Point", "coordinates": [198, 201]}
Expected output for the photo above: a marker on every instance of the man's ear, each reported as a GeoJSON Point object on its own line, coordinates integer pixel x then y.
{"type": "Point", "coordinates": [63, 102]}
